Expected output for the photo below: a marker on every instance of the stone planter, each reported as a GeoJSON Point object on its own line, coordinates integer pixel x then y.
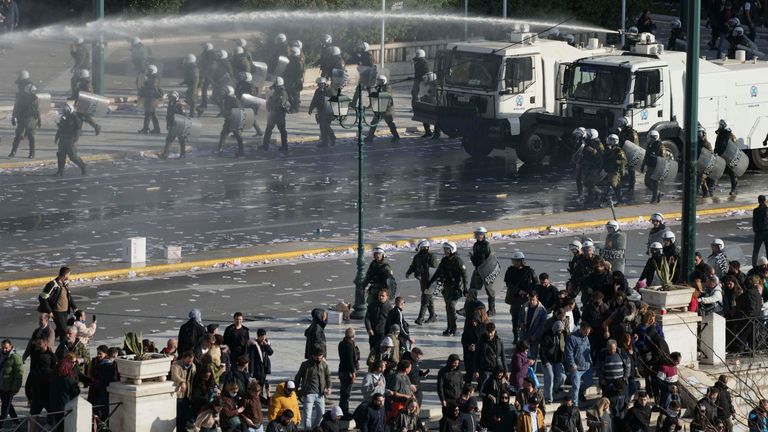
{"type": "Point", "coordinates": [657, 299]}
{"type": "Point", "coordinates": [136, 371]}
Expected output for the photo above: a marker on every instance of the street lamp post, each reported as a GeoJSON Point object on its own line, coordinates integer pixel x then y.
{"type": "Point", "coordinates": [98, 50]}
{"type": "Point", "coordinates": [378, 102]}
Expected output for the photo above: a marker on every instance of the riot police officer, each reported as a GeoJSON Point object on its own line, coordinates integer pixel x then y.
{"type": "Point", "coordinates": [278, 106]}
{"type": "Point", "coordinates": [706, 184]}
{"type": "Point", "coordinates": [486, 268]}
{"type": "Point", "coordinates": [615, 165]}
{"type": "Point", "coordinates": [676, 33]}
{"type": "Point", "coordinates": [388, 115]}
{"type": "Point", "coordinates": [151, 94]}
{"type": "Point", "coordinates": [725, 137]}
{"type": "Point", "coordinates": [420, 68]}
{"type": "Point", "coordinates": [592, 164]}
{"type": "Point", "coordinates": [240, 61]}
{"type": "Point", "coordinates": [140, 56]}
{"type": "Point", "coordinates": [378, 276]}
{"type": "Point", "coordinates": [430, 97]}
{"type": "Point", "coordinates": [191, 81]}
{"type": "Point", "coordinates": [175, 106]}
{"type": "Point", "coordinates": [335, 62]}
{"type": "Point", "coordinates": [579, 136]}
{"type": "Point", "coordinates": [451, 273]}
{"type": "Point", "coordinates": [245, 86]}
{"type": "Point", "coordinates": [326, 52]}
{"type": "Point", "coordinates": [205, 63]}
{"type": "Point", "coordinates": [230, 102]}
{"type": "Point", "coordinates": [324, 116]}
{"type": "Point", "coordinates": [420, 265]}
{"type": "Point", "coordinates": [280, 48]}
{"type": "Point", "coordinates": [615, 246]}
{"type": "Point", "coordinates": [739, 41]}
{"type": "Point", "coordinates": [658, 228]}
{"type": "Point", "coordinates": [363, 55]}
{"type": "Point", "coordinates": [84, 84]}
{"type": "Point", "coordinates": [26, 118]}
{"type": "Point", "coordinates": [68, 133]}
{"type": "Point", "coordinates": [294, 79]}
{"type": "Point", "coordinates": [653, 149]}
{"type": "Point", "coordinates": [672, 253]}
{"type": "Point", "coordinates": [627, 133]}
{"type": "Point", "coordinates": [718, 259]}
{"type": "Point", "coordinates": [82, 61]}
{"type": "Point", "coordinates": [22, 79]}
{"type": "Point", "coordinates": [221, 77]}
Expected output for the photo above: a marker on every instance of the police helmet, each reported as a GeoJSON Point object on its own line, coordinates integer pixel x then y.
{"type": "Point", "coordinates": [587, 245]}
{"type": "Point", "coordinates": [363, 46]}
{"type": "Point", "coordinates": [321, 81]}
{"type": "Point", "coordinates": [574, 244]}
{"type": "Point", "coordinates": [676, 24]}
{"type": "Point", "coordinates": [668, 235]}
{"type": "Point", "coordinates": [518, 256]}
{"type": "Point", "coordinates": [246, 76]}
{"type": "Point", "coordinates": [297, 44]}
{"type": "Point", "coordinates": [734, 22]}
{"type": "Point", "coordinates": [174, 95]}
{"type": "Point", "coordinates": [738, 31]}
{"type": "Point", "coordinates": [378, 250]}
{"type": "Point", "coordinates": [656, 246]}
{"type": "Point", "coordinates": [612, 226]}
{"type": "Point", "coordinates": [423, 243]}
{"type": "Point", "coordinates": [23, 75]}
{"type": "Point", "coordinates": [295, 51]}
{"type": "Point", "coordinates": [387, 342]}
{"type": "Point", "coordinates": [633, 29]}
{"type": "Point", "coordinates": [451, 246]}
{"type": "Point", "coordinates": [241, 42]}
{"type": "Point", "coordinates": [239, 50]}
{"type": "Point", "coordinates": [622, 122]}
{"type": "Point", "coordinates": [579, 132]}
{"type": "Point", "coordinates": [190, 58]}
{"type": "Point", "coordinates": [223, 54]}
{"type": "Point", "coordinates": [612, 140]}
{"type": "Point", "coordinates": [381, 79]}
{"type": "Point", "coordinates": [657, 217]}
{"type": "Point", "coordinates": [420, 53]}
{"type": "Point", "coordinates": [336, 51]}
{"type": "Point", "coordinates": [135, 41]}
{"type": "Point", "coordinates": [151, 70]}
{"type": "Point", "coordinates": [279, 82]}
{"type": "Point", "coordinates": [207, 46]}
{"type": "Point", "coordinates": [480, 230]}
{"type": "Point", "coordinates": [429, 77]}
{"type": "Point", "coordinates": [327, 39]}
{"type": "Point", "coordinates": [280, 38]}
{"type": "Point", "coordinates": [653, 135]}
{"type": "Point", "coordinates": [85, 73]}
{"type": "Point", "coordinates": [719, 243]}
{"type": "Point", "coordinates": [67, 108]}
{"type": "Point", "coordinates": [593, 134]}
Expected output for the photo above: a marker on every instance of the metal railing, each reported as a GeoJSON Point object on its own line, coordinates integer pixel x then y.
{"type": "Point", "coordinates": [102, 414]}
{"type": "Point", "coordinates": [50, 421]}
{"type": "Point", "coordinates": [746, 337]}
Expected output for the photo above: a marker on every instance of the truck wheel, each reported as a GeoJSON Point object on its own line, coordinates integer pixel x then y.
{"type": "Point", "coordinates": [532, 148]}
{"type": "Point", "coordinates": [673, 149]}
{"type": "Point", "coordinates": [759, 158]}
{"type": "Point", "coordinates": [476, 147]}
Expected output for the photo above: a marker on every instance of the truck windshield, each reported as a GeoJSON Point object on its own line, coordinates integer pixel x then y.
{"type": "Point", "coordinates": [473, 70]}
{"type": "Point", "coordinates": [598, 83]}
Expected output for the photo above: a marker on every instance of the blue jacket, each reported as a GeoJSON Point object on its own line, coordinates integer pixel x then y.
{"type": "Point", "coordinates": [577, 352]}
{"type": "Point", "coordinates": [533, 332]}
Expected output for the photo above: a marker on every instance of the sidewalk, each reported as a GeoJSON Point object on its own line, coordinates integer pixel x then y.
{"type": "Point", "coordinates": [518, 226]}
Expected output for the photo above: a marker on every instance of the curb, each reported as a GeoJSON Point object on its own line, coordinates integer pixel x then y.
{"type": "Point", "coordinates": [237, 260]}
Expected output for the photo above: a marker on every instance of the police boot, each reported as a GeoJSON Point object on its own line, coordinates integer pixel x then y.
{"type": "Point", "coordinates": [395, 137]}
{"type": "Point", "coordinates": [14, 146]}
{"type": "Point", "coordinates": [155, 125]}
{"type": "Point", "coordinates": [182, 149]}
{"type": "Point", "coordinates": [369, 137]}
{"type": "Point", "coordinates": [734, 186]}
{"type": "Point", "coordinates": [491, 306]}
{"type": "Point", "coordinates": [436, 134]}
{"type": "Point", "coordinates": [31, 139]}
{"type": "Point", "coordinates": [97, 129]}
{"type": "Point", "coordinates": [62, 160]}
{"type": "Point", "coordinates": [427, 131]}
{"type": "Point", "coordinates": [653, 198]}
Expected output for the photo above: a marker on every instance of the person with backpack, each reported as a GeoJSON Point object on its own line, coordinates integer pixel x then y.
{"type": "Point", "coordinates": [56, 300]}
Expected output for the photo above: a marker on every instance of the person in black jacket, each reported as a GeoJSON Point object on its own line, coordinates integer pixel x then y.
{"type": "Point", "coordinates": [552, 354]}
{"type": "Point", "coordinates": [236, 337]}
{"type": "Point", "coordinates": [56, 300]}
{"type": "Point", "coordinates": [396, 317]}
{"type": "Point", "coordinates": [376, 320]}
{"type": "Point", "coordinates": [373, 415]}
{"type": "Point", "coordinates": [760, 228]}
{"type": "Point", "coordinates": [43, 362]}
{"type": "Point", "coordinates": [452, 274]}
{"type": "Point", "coordinates": [260, 365]}
{"type": "Point", "coordinates": [567, 417]}
{"type": "Point", "coordinates": [504, 417]}
{"type": "Point", "coordinates": [451, 421]}
{"type": "Point", "coordinates": [725, 409]}
{"type": "Point", "coordinates": [638, 418]}
{"type": "Point", "coordinates": [450, 381]}
{"type": "Point", "coordinates": [315, 333]}
{"type": "Point", "coordinates": [349, 363]}
{"type": "Point", "coordinates": [489, 354]}
{"type": "Point", "coordinates": [547, 292]}
{"type": "Point", "coordinates": [419, 268]}
{"type": "Point", "coordinates": [520, 280]}
{"type": "Point", "coordinates": [191, 331]}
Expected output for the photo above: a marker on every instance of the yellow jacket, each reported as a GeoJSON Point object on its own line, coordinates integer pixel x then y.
{"type": "Point", "coordinates": [280, 401]}
{"type": "Point", "coordinates": [524, 422]}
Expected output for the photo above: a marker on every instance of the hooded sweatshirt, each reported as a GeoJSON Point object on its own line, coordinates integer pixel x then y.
{"type": "Point", "coordinates": [281, 400]}
{"type": "Point", "coordinates": [315, 333]}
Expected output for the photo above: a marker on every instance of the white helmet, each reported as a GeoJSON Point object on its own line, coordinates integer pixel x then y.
{"type": "Point", "coordinates": [480, 230]}
{"type": "Point", "coordinates": [593, 134]}
{"type": "Point", "coordinates": [555, 32]}
{"type": "Point", "coordinates": [382, 79]}
{"type": "Point", "coordinates": [612, 140]}
{"type": "Point", "coordinates": [336, 51]}
{"type": "Point", "coordinates": [612, 225]}
{"type": "Point", "coordinates": [423, 243]}
{"type": "Point", "coordinates": [588, 245]}
{"type": "Point", "coordinates": [190, 58]}
{"type": "Point", "coordinates": [579, 132]}
{"type": "Point", "coordinates": [223, 54]}
{"type": "Point", "coordinates": [653, 135]}
{"type": "Point", "coordinates": [79, 41]}
{"type": "Point", "coordinates": [85, 73]}
{"type": "Point", "coordinates": [378, 250]}
{"type": "Point", "coordinates": [23, 75]}
{"type": "Point", "coordinates": [719, 243]}
{"type": "Point", "coordinates": [622, 122]}
{"type": "Point", "coordinates": [321, 81]}
{"type": "Point", "coordinates": [657, 217]}
{"type": "Point", "coordinates": [151, 70]}
{"type": "Point", "coordinates": [518, 256]}
{"type": "Point", "coordinates": [280, 38]}
{"type": "Point", "coordinates": [174, 95]}
{"type": "Point", "coordinates": [247, 77]}
{"type": "Point", "coordinates": [569, 38]}
{"type": "Point", "coordinates": [363, 46]}
{"type": "Point", "coordinates": [295, 51]}
{"type": "Point", "coordinates": [241, 42]}
{"type": "Point", "coordinates": [575, 244]}
{"type": "Point", "coordinates": [451, 246]}
{"type": "Point", "coordinates": [327, 39]}
{"type": "Point", "coordinates": [228, 90]}
{"type": "Point", "coordinates": [135, 41]}
{"type": "Point", "coordinates": [668, 235]}
{"type": "Point", "coordinates": [387, 342]}
{"type": "Point", "coordinates": [762, 261]}
{"type": "Point", "coordinates": [297, 43]}
{"type": "Point", "coordinates": [656, 245]}
{"type": "Point", "coordinates": [633, 29]}
{"type": "Point", "coordinates": [30, 88]}
{"type": "Point", "coordinates": [734, 22]}
{"type": "Point", "coordinates": [207, 46]}
{"type": "Point", "coordinates": [429, 77]}
{"type": "Point", "coordinates": [738, 31]}
{"type": "Point", "coordinates": [239, 50]}
{"type": "Point", "coordinates": [420, 53]}
{"type": "Point", "coordinates": [67, 108]}
{"type": "Point", "coordinates": [676, 24]}
{"type": "Point", "coordinates": [279, 82]}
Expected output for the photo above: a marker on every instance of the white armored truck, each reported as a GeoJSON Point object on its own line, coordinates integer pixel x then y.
{"type": "Point", "coordinates": [486, 87]}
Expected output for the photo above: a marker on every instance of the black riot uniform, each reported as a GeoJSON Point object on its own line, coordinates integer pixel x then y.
{"type": "Point", "coordinates": [653, 150]}
{"type": "Point", "coordinates": [420, 265]}
{"type": "Point", "coordinates": [674, 35]}
{"type": "Point", "coordinates": [324, 116]}
{"type": "Point", "coordinates": [706, 184]}
{"type": "Point", "coordinates": [192, 82]}
{"type": "Point", "coordinates": [241, 63]}
{"type": "Point", "coordinates": [278, 106]}
{"type": "Point", "coordinates": [174, 107]}
{"type": "Point", "coordinates": [724, 136]}
{"type": "Point", "coordinates": [229, 103]}
{"type": "Point", "coordinates": [151, 94]}
{"type": "Point", "coordinates": [481, 251]}
{"type": "Point", "coordinates": [26, 118]}
{"type": "Point", "coordinates": [628, 133]}
{"type": "Point", "coordinates": [615, 166]}
{"type": "Point", "coordinates": [246, 87]}
{"type": "Point", "coordinates": [67, 135]}
{"type": "Point", "coordinates": [205, 62]}
{"type": "Point", "coordinates": [430, 97]}
{"type": "Point", "coordinates": [325, 63]}
{"type": "Point", "coordinates": [452, 274]}
{"type": "Point", "coordinates": [84, 84]}
{"type": "Point", "coordinates": [388, 116]}
{"type": "Point", "coordinates": [379, 272]}
{"type": "Point", "coordinates": [420, 68]}
{"type": "Point", "coordinates": [82, 61]}
{"type": "Point", "coordinates": [591, 166]}
{"type": "Point", "coordinates": [294, 81]}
